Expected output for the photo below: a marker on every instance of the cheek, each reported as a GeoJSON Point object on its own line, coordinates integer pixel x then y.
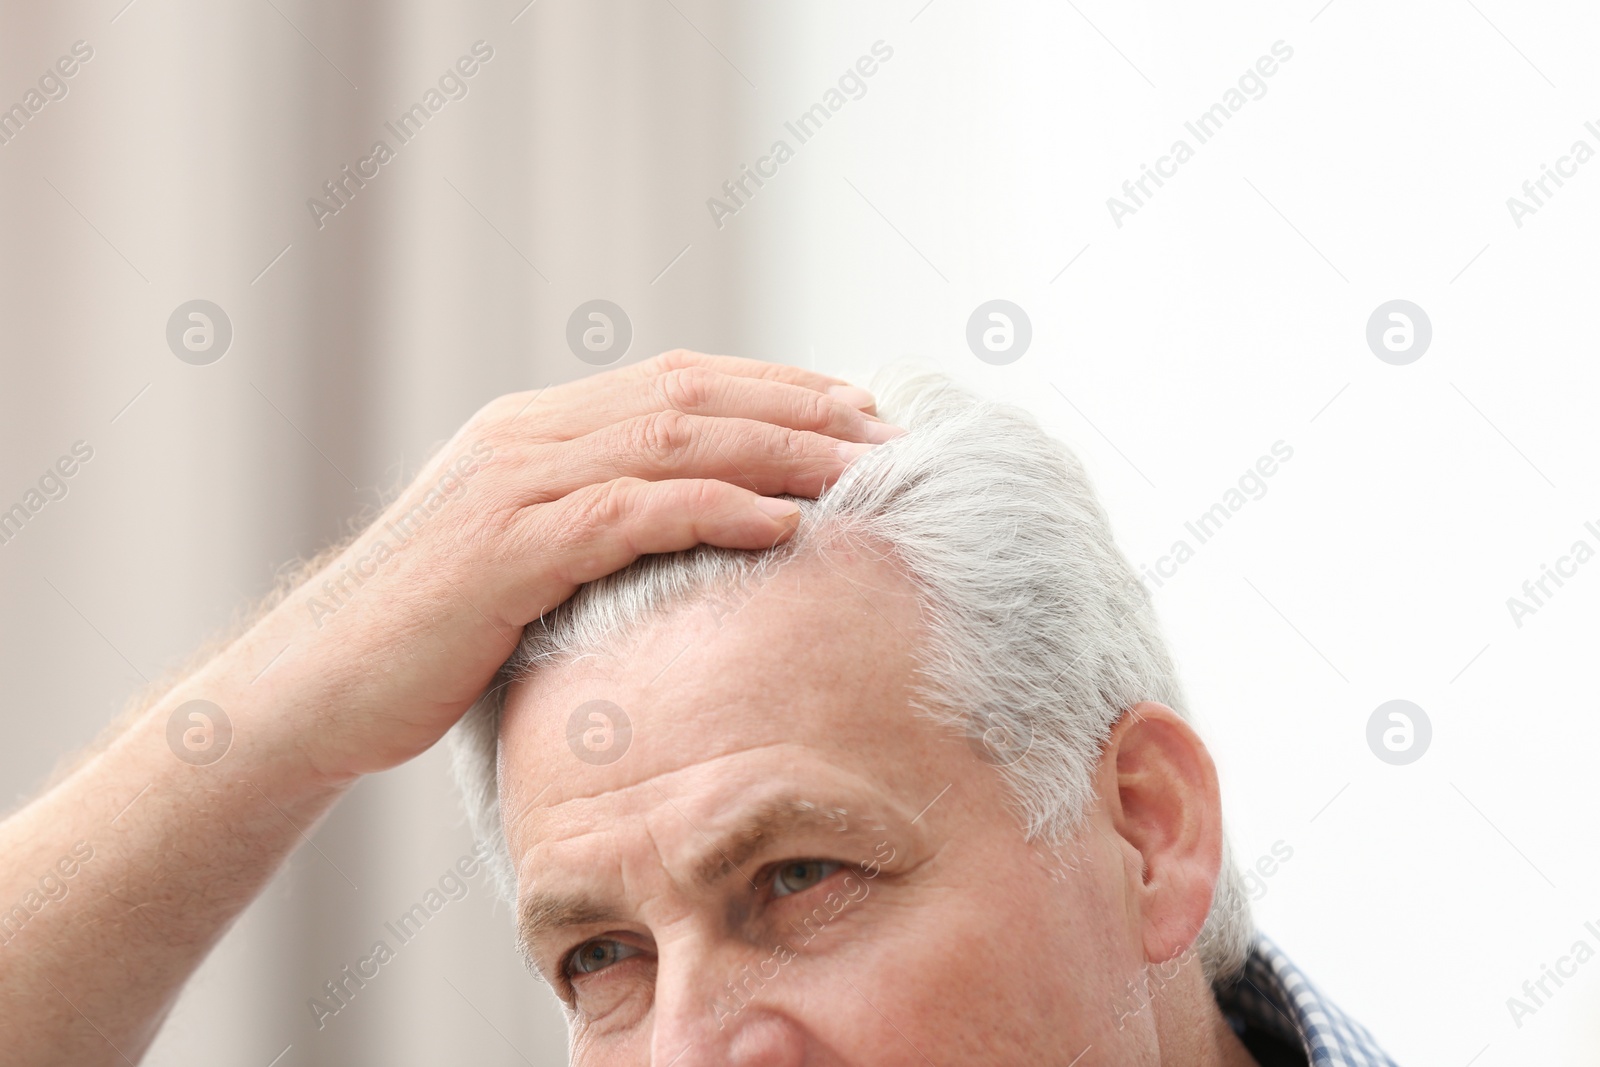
{"type": "Point", "coordinates": [1017, 966]}
{"type": "Point", "coordinates": [590, 1048]}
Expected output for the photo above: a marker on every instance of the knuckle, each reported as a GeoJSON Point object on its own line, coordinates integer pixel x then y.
{"type": "Point", "coordinates": [500, 409]}
{"type": "Point", "coordinates": [686, 388]}
{"type": "Point", "coordinates": [596, 507]}
{"type": "Point", "coordinates": [489, 416]}
{"type": "Point", "coordinates": [817, 410]}
{"type": "Point", "coordinates": [796, 444]}
{"type": "Point", "coordinates": [703, 496]}
{"type": "Point", "coordinates": [662, 434]}
{"type": "Point", "coordinates": [493, 432]}
{"type": "Point", "coordinates": [496, 422]}
{"type": "Point", "coordinates": [493, 407]}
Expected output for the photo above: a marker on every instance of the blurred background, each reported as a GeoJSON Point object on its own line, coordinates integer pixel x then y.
{"type": "Point", "coordinates": [1230, 311]}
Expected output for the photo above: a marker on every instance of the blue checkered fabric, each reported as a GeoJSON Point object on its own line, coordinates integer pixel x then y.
{"type": "Point", "coordinates": [1273, 997]}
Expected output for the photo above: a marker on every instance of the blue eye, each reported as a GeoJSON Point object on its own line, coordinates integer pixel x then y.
{"type": "Point", "coordinates": [799, 875]}
{"type": "Point", "coordinates": [597, 955]}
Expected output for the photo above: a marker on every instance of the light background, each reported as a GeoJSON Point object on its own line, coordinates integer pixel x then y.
{"type": "Point", "coordinates": [1229, 313]}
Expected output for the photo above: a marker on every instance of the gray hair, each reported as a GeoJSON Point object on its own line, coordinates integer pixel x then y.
{"type": "Point", "coordinates": [1038, 632]}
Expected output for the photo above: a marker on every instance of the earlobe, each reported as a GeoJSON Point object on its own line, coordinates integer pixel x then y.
{"type": "Point", "coordinates": [1165, 804]}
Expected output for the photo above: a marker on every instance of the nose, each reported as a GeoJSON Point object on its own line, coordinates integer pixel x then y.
{"type": "Point", "coordinates": [711, 1015]}
{"type": "Point", "coordinates": [765, 1041]}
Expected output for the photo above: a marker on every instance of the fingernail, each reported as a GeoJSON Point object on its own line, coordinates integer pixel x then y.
{"type": "Point", "coordinates": [853, 395]}
{"type": "Point", "coordinates": [850, 451]}
{"type": "Point", "coordinates": [775, 507]}
{"type": "Point", "coordinates": [879, 432]}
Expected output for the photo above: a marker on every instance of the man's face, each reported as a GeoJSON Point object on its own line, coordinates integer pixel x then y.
{"type": "Point", "coordinates": [787, 865]}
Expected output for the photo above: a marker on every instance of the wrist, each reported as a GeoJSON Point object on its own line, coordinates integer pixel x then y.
{"type": "Point", "coordinates": [260, 709]}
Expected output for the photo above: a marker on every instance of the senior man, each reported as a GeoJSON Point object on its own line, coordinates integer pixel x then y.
{"type": "Point", "coordinates": [890, 769]}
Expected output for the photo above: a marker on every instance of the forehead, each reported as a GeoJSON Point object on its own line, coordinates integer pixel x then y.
{"type": "Point", "coordinates": [796, 686]}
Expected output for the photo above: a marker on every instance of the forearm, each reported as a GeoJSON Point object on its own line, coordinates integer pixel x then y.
{"type": "Point", "coordinates": [143, 856]}
{"type": "Point", "coordinates": [367, 663]}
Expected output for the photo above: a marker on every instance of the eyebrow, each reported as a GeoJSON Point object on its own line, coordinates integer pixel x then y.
{"type": "Point", "coordinates": [542, 913]}
{"type": "Point", "coordinates": [773, 820]}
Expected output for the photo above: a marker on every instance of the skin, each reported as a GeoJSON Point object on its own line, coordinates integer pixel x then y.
{"type": "Point", "coordinates": [786, 866]}
{"type": "Point", "coordinates": [537, 494]}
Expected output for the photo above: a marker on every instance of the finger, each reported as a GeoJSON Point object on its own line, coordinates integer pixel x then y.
{"type": "Point", "coordinates": [700, 391]}
{"type": "Point", "coordinates": [679, 358]}
{"type": "Point", "coordinates": [603, 527]}
{"type": "Point", "coordinates": [757, 456]}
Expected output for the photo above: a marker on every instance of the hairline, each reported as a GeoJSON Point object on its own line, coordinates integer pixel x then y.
{"type": "Point", "coordinates": [1089, 598]}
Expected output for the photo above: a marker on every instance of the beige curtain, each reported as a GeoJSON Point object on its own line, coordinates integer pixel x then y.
{"type": "Point", "coordinates": [571, 165]}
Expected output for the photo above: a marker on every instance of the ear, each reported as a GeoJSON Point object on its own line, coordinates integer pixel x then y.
{"type": "Point", "coordinates": [1158, 787]}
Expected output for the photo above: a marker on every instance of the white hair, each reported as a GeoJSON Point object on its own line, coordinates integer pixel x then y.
{"type": "Point", "coordinates": [1039, 637]}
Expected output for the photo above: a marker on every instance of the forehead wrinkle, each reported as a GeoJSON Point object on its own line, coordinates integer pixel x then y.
{"type": "Point", "coordinates": [697, 763]}
{"type": "Point", "coordinates": [523, 808]}
{"type": "Point", "coordinates": [549, 911]}
{"type": "Point", "coordinates": [542, 912]}
{"type": "Point", "coordinates": [661, 859]}
{"type": "Point", "coordinates": [579, 806]}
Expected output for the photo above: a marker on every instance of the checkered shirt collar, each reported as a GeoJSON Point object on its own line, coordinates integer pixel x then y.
{"type": "Point", "coordinates": [1273, 995]}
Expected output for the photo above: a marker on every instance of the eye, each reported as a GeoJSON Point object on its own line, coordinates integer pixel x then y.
{"type": "Point", "coordinates": [597, 955]}
{"type": "Point", "coordinates": [799, 875]}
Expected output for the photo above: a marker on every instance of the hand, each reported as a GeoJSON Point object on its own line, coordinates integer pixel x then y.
{"type": "Point", "coordinates": [370, 660]}
{"type": "Point", "coordinates": [391, 642]}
